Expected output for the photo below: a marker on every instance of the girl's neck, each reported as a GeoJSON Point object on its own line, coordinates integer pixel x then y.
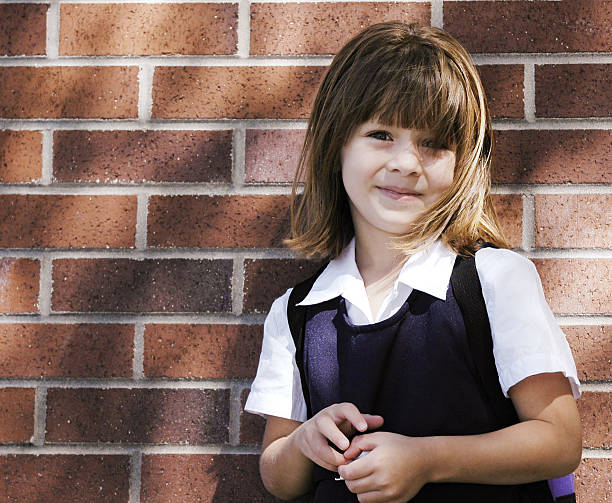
{"type": "Point", "coordinates": [376, 261]}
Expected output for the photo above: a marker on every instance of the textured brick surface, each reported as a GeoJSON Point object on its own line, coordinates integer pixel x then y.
{"type": "Point", "coordinates": [35, 221]}
{"type": "Point", "coordinates": [576, 286]}
{"type": "Point", "coordinates": [68, 91]}
{"type": "Point", "coordinates": [122, 285]}
{"type": "Point", "coordinates": [23, 29]}
{"type": "Point", "coordinates": [272, 155]}
{"type": "Point", "coordinates": [504, 90]}
{"type": "Point", "coordinates": [20, 156]}
{"type": "Point", "coordinates": [74, 479]}
{"type": "Point", "coordinates": [252, 426]}
{"type": "Point", "coordinates": [235, 92]}
{"type": "Point", "coordinates": [518, 26]}
{"type": "Point", "coordinates": [545, 156]}
{"type": "Point", "coordinates": [574, 221]}
{"type": "Point", "coordinates": [19, 283]}
{"type": "Point", "coordinates": [201, 479]}
{"type": "Point", "coordinates": [594, 480]}
{"type": "Point", "coordinates": [17, 411]}
{"type": "Point", "coordinates": [265, 280]}
{"type": "Point", "coordinates": [62, 350]}
{"type": "Point", "coordinates": [139, 29]}
{"type": "Point", "coordinates": [509, 210]}
{"type": "Point", "coordinates": [202, 351]}
{"type": "Point", "coordinates": [573, 90]}
{"type": "Point", "coordinates": [592, 351]}
{"type": "Point", "coordinates": [218, 221]}
{"type": "Point", "coordinates": [596, 414]}
{"type": "Point", "coordinates": [322, 28]}
{"type": "Point", "coordinates": [137, 415]}
{"type": "Point", "coordinates": [143, 156]}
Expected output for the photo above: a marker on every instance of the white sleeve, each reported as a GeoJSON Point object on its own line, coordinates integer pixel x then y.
{"type": "Point", "coordinates": [277, 387]}
{"type": "Point", "coordinates": [526, 337]}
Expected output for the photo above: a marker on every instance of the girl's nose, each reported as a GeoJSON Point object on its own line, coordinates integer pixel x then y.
{"type": "Point", "coordinates": [406, 160]}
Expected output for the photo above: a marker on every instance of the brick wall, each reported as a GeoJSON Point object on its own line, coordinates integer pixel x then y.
{"type": "Point", "coordinates": [146, 152]}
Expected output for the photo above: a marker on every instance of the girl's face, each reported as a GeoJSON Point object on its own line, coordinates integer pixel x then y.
{"type": "Point", "coordinates": [391, 174]}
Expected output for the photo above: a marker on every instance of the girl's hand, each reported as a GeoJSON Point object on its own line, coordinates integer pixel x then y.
{"type": "Point", "coordinates": [393, 472]}
{"type": "Point", "coordinates": [334, 424]}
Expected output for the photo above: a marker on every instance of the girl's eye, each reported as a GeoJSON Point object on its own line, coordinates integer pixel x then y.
{"type": "Point", "coordinates": [380, 135]}
{"type": "Point", "coordinates": [430, 144]}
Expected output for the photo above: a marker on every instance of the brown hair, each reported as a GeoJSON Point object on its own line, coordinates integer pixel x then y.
{"type": "Point", "coordinates": [415, 77]}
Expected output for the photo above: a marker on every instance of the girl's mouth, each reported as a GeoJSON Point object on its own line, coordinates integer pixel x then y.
{"type": "Point", "coordinates": [398, 196]}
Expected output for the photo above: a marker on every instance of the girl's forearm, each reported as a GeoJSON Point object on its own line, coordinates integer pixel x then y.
{"type": "Point", "coordinates": [285, 471]}
{"type": "Point", "coordinates": [525, 452]}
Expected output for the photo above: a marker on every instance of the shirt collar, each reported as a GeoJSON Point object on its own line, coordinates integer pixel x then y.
{"type": "Point", "coordinates": [428, 271]}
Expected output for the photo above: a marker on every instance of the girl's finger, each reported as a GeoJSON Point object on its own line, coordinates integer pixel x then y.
{"type": "Point", "coordinates": [349, 412]}
{"type": "Point", "coordinates": [329, 429]}
{"type": "Point", "coordinates": [371, 497]}
{"type": "Point", "coordinates": [357, 469]}
{"type": "Point", "coordinates": [329, 457]}
{"type": "Point", "coordinates": [361, 443]}
{"type": "Point", "coordinates": [361, 485]}
{"type": "Point", "coordinates": [373, 421]}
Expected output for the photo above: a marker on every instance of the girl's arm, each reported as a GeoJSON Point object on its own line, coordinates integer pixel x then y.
{"type": "Point", "coordinates": [545, 444]}
{"type": "Point", "coordinates": [290, 448]}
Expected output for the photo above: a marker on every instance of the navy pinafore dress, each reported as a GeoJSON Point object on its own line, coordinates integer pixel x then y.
{"type": "Point", "coordinates": [414, 369]}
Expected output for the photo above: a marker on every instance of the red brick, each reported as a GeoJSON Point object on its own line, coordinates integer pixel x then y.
{"type": "Point", "coordinates": [573, 90]}
{"type": "Point", "coordinates": [105, 92]}
{"type": "Point", "coordinates": [576, 286]}
{"type": "Point", "coordinates": [122, 285]}
{"type": "Point", "coordinates": [58, 350]}
{"type": "Point", "coordinates": [545, 156]}
{"type": "Point", "coordinates": [137, 415]}
{"type": "Point", "coordinates": [23, 31]}
{"type": "Point", "coordinates": [503, 86]}
{"type": "Point", "coordinates": [202, 478]}
{"type": "Point", "coordinates": [252, 426]}
{"type": "Point", "coordinates": [517, 26]}
{"type": "Point", "coordinates": [272, 155]}
{"type": "Point", "coordinates": [52, 221]}
{"type": "Point", "coordinates": [218, 221]}
{"type": "Point", "coordinates": [202, 351]}
{"type": "Point", "coordinates": [594, 480]}
{"type": "Point", "coordinates": [139, 29]}
{"type": "Point", "coordinates": [265, 280]}
{"type": "Point", "coordinates": [17, 411]}
{"type": "Point", "coordinates": [74, 479]}
{"type": "Point", "coordinates": [239, 92]}
{"type": "Point", "coordinates": [595, 412]}
{"type": "Point", "coordinates": [143, 156]}
{"type": "Point", "coordinates": [509, 208]}
{"type": "Point", "coordinates": [592, 351]}
{"type": "Point", "coordinates": [322, 28]}
{"type": "Point", "coordinates": [20, 156]}
{"type": "Point", "coordinates": [19, 284]}
{"type": "Point", "coordinates": [573, 221]}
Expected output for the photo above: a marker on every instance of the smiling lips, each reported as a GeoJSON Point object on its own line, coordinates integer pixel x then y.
{"type": "Point", "coordinates": [399, 193]}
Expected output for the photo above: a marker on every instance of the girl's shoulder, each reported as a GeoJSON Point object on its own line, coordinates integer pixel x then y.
{"type": "Point", "coordinates": [495, 265]}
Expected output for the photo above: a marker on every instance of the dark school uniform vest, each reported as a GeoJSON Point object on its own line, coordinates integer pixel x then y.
{"type": "Point", "coordinates": [414, 369]}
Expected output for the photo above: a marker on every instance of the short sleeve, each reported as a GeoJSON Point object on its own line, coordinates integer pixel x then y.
{"type": "Point", "coordinates": [277, 388]}
{"type": "Point", "coordinates": [526, 337]}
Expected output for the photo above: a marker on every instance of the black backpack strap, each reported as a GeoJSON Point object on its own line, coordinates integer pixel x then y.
{"type": "Point", "coordinates": [296, 316]}
{"type": "Point", "coordinates": [468, 294]}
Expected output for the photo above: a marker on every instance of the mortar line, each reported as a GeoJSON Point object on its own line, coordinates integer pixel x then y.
{"type": "Point", "coordinates": [142, 215]}
{"type": "Point", "coordinates": [127, 449]}
{"type": "Point", "coordinates": [40, 416]}
{"type": "Point", "coordinates": [592, 453]}
{"type": "Point", "coordinates": [234, 414]}
{"type": "Point", "coordinates": [126, 383]}
{"type": "Point", "coordinates": [145, 92]}
{"type": "Point", "coordinates": [529, 229]}
{"type": "Point", "coordinates": [45, 285]}
{"type": "Point", "coordinates": [47, 157]}
{"type": "Point", "coordinates": [604, 387]}
{"type": "Point", "coordinates": [437, 13]}
{"type": "Point", "coordinates": [139, 342]}
{"type": "Point", "coordinates": [244, 28]}
{"type": "Point", "coordinates": [529, 92]}
{"type": "Point", "coordinates": [238, 157]}
{"type": "Point", "coordinates": [53, 30]}
{"type": "Point", "coordinates": [135, 476]}
{"type": "Point", "coordinates": [238, 286]}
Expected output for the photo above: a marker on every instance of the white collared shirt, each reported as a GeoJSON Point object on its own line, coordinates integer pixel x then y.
{"type": "Point", "coordinates": [526, 337]}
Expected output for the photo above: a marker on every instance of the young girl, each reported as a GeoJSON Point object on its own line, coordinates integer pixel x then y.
{"type": "Point", "coordinates": [397, 162]}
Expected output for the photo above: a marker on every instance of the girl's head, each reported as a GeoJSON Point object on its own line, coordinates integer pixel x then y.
{"type": "Point", "coordinates": [410, 77]}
